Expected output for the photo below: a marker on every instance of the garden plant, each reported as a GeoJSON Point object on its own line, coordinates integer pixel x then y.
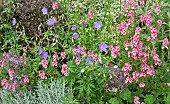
{"type": "Point", "coordinates": [84, 51]}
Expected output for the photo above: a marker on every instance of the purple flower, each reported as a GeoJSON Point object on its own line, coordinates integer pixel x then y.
{"type": "Point", "coordinates": [87, 61]}
{"type": "Point", "coordinates": [78, 49]}
{"type": "Point", "coordinates": [73, 27]}
{"type": "Point", "coordinates": [102, 47]}
{"type": "Point", "coordinates": [14, 21]}
{"type": "Point", "coordinates": [44, 55]}
{"type": "Point", "coordinates": [70, 9]}
{"type": "Point", "coordinates": [40, 51]}
{"type": "Point", "coordinates": [44, 10]}
{"type": "Point", "coordinates": [51, 21]}
{"type": "Point", "coordinates": [98, 25]}
{"type": "Point", "coordinates": [75, 35]}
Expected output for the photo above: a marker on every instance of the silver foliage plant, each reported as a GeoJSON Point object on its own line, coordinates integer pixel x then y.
{"type": "Point", "coordinates": [53, 93]}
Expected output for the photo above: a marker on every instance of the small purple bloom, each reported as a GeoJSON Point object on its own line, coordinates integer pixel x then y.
{"type": "Point", "coordinates": [75, 35]}
{"type": "Point", "coordinates": [51, 21]}
{"type": "Point", "coordinates": [78, 49]}
{"type": "Point", "coordinates": [70, 9]}
{"type": "Point", "coordinates": [87, 61]}
{"type": "Point", "coordinates": [44, 55]}
{"type": "Point", "coordinates": [44, 10]}
{"type": "Point", "coordinates": [73, 27]}
{"type": "Point", "coordinates": [98, 25]}
{"type": "Point", "coordinates": [98, 63]}
{"type": "Point", "coordinates": [14, 21]}
{"type": "Point", "coordinates": [40, 51]}
{"type": "Point", "coordinates": [102, 47]}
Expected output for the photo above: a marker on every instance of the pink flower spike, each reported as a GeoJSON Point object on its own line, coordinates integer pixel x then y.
{"type": "Point", "coordinates": [12, 87]}
{"type": "Point", "coordinates": [136, 100]}
{"type": "Point", "coordinates": [55, 5]}
{"type": "Point", "coordinates": [64, 70]}
{"type": "Point", "coordinates": [55, 57]}
{"type": "Point", "coordinates": [165, 43]}
{"type": "Point", "coordinates": [142, 84]}
{"type": "Point", "coordinates": [44, 63]}
{"type": "Point", "coordinates": [54, 63]}
{"type": "Point", "coordinates": [159, 22]}
{"type": "Point", "coordinates": [91, 14]}
{"type": "Point", "coordinates": [2, 62]}
{"type": "Point", "coordinates": [63, 55]}
{"type": "Point", "coordinates": [42, 74]}
{"type": "Point", "coordinates": [26, 79]}
{"type": "Point", "coordinates": [78, 60]}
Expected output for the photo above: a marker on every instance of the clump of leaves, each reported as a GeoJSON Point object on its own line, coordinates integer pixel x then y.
{"type": "Point", "coordinates": [30, 17]}
{"type": "Point", "coordinates": [117, 80]}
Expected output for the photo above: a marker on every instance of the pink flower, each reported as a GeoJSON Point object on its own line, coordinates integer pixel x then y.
{"type": "Point", "coordinates": [55, 5]}
{"type": "Point", "coordinates": [26, 79]}
{"type": "Point", "coordinates": [55, 57]}
{"type": "Point", "coordinates": [42, 74]}
{"type": "Point", "coordinates": [136, 75]}
{"type": "Point", "coordinates": [142, 84]}
{"type": "Point", "coordinates": [25, 49]}
{"type": "Point", "coordinates": [90, 53]}
{"type": "Point", "coordinates": [4, 81]}
{"type": "Point", "coordinates": [78, 60]}
{"type": "Point", "coordinates": [6, 86]}
{"type": "Point", "coordinates": [147, 48]}
{"type": "Point", "coordinates": [12, 87]}
{"type": "Point", "coordinates": [158, 8]}
{"type": "Point", "coordinates": [127, 66]}
{"type": "Point", "coordinates": [95, 57]}
{"type": "Point", "coordinates": [165, 43]}
{"type": "Point", "coordinates": [128, 80]}
{"type": "Point", "coordinates": [151, 71]}
{"type": "Point", "coordinates": [131, 13]}
{"type": "Point", "coordinates": [74, 51]}
{"type": "Point", "coordinates": [114, 51]}
{"type": "Point", "coordinates": [54, 63]}
{"type": "Point", "coordinates": [138, 30]}
{"type": "Point", "coordinates": [64, 69]}
{"type": "Point", "coordinates": [136, 100]}
{"type": "Point", "coordinates": [2, 62]}
{"type": "Point", "coordinates": [135, 40]}
{"type": "Point", "coordinates": [83, 52]}
{"type": "Point", "coordinates": [142, 3]}
{"type": "Point", "coordinates": [159, 22]}
{"type": "Point", "coordinates": [44, 63]}
{"type": "Point", "coordinates": [11, 73]}
{"type": "Point", "coordinates": [142, 102]}
{"type": "Point", "coordinates": [91, 14]}
{"type": "Point", "coordinates": [149, 11]}
{"type": "Point", "coordinates": [63, 55]}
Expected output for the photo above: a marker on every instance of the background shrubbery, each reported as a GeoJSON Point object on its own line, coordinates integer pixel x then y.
{"type": "Point", "coordinates": [104, 50]}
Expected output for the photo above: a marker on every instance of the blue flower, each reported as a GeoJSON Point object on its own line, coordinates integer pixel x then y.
{"type": "Point", "coordinates": [75, 35]}
{"type": "Point", "coordinates": [73, 27]}
{"type": "Point", "coordinates": [87, 61]}
{"type": "Point", "coordinates": [14, 21]}
{"type": "Point", "coordinates": [44, 10]}
{"type": "Point", "coordinates": [44, 55]}
{"type": "Point", "coordinates": [78, 49]}
{"type": "Point", "coordinates": [102, 47]}
{"type": "Point", "coordinates": [40, 51]}
{"type": "Point", "coordinates": [70, 9]}
{"type": "Point", "coordinates": [98, 25]}
{"type": "Point", "coordinates": [51, 21]}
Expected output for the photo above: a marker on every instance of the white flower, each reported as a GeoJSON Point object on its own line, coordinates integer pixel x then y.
{"type": "Point", "coordinates": [115, 66]}
{"type": "Point", "coordinates": [126, 48]}
{"type": "Point", "coordinates": [82, 70]}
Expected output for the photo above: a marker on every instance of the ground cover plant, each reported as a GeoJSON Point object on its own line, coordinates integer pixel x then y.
{"type": "Point", "coordinates": [107, 51]}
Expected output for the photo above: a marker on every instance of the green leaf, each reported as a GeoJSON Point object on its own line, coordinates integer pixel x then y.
{"type": "Point", "coordinates": [149, 99]}
{"type": "Point", "coordinates": [114, 101]}
{"type": "Point", "coordinates": [126, 94]}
